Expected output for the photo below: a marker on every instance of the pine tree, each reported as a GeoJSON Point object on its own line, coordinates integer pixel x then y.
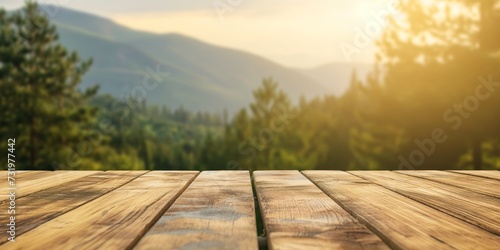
{"type": "Point", "coordinates": [433, 57]}
{"type": "Point", "coordinates": [39, 79]}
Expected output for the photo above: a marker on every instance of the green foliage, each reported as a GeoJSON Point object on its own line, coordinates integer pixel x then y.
{"type": "Point", "coordinates": [38, 85]}
{"type": "Point", "coordinates": [432, 67]}
{"type": "Point", "coordinates": [371, 126]}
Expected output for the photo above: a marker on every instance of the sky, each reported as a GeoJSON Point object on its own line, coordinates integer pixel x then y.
{"type": "Point", "coordinates": [298, 33]}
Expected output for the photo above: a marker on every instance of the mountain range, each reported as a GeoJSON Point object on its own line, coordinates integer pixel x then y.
{"type": "Point", "coordinates": [201, 76]}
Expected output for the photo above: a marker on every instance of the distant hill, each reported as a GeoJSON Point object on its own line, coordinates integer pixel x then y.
{"type": "Point", "coordinates": [201, 76]}
{"type": "Point", "coordinates": [336, 76]}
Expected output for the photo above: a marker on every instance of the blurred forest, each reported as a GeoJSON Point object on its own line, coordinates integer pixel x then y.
{"type": "Point", "coordinates": [431, 102]}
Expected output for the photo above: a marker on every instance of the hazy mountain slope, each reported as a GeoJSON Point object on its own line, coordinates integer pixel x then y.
{"type": "Point", "coordinates": [202, 76]}
{"type": "Point", "coordinates": [114, 64]}
{"type": "Point", "coordinates": [119, 67]}
{"type": "Point", "coordinates": [337, 76]}
{"type": "Point", "coordinates": [100, 26]}
{"type": "Point", "coordinates": [229, 69]}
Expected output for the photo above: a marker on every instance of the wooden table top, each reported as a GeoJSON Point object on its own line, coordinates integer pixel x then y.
{"type": "Point", "coordinates": [221, 209]}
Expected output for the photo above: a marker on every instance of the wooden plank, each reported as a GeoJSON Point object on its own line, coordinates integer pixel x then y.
{"type": "Point", "coordinates": [116, 220]}
{"type": "Point", "coordinates": [40, 207]}
{"type": "Point", "coordinates": [25, 171]}
{"type": "Point", "coordinates": [492, 174]}
{"type": "Point", "coordinates": [478, 209]}
{"type": "Point", "coordinates": [19, 173]}
{"type": "Point", "coordinates": [215, 212]}
{"type": "Point", "coordinates": [401, 222]}
{"type": "Point", "coordinates": [32, 183]}
{"type": "Point", "coordinates": [298, 215]}
{"type": "Point", "coordinates": [21, 176]}
{"type": "Point", "coordinates": [473, 183]}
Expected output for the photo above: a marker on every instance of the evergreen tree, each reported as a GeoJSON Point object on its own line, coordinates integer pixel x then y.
{"type": "Point", "coordinates": [41, 104]}
{"type": "Point", "coordinates": [432, 59]}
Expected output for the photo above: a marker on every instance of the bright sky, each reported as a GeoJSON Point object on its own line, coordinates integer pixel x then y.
{"type": "Point", "coordinates": [298, 33]}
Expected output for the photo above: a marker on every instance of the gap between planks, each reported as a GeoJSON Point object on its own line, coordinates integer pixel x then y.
{"type": "Point", "coordinates": [475, 208]}
{"type": "Point", "coordinates": [393, 216]}
{"type": "Point", "coordinates": [42, 206]}
{"type": "Point", "coordinates": [116, 220]}
{"type": "Point", "coordinates": [491, 174]}
{"type": "Point", "coordinates": [298, 215]}
{"type": "Point", "coordinates": [472, 183]}
{"type": "Point", "coordinates": [27, 183]}
{"type": "Point", "coordinates": [216, 211]}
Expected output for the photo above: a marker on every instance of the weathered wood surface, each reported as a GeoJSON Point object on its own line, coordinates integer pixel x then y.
{"type": "Point", "coordinates": [493, 174]}
{"type": "Point", "coordinates": [18, 176]}
{"type": "Point", "coordinates": [402, 222]}
{"type": "Point", "coordinates": [116, 220]}
{"type": "Point", "coordinates": [41, 207]}
{"type": "Point", "coordinates": [478, 209]}
{"type": "Point", "coordinates": [39, 180]}
{"type": "Point", "coordinates": [215, 212]}
{"type": "Point", "coordinates": [470, 182]}
{"type": "Point", "coordinates": [298, 215]}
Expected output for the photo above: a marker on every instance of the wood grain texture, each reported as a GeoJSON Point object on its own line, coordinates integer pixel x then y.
{"type": "Point", "coordinates": [473, 183]}
{"type": "Point", "coordinates": [402, 222]}
{"type": "Point", "coordinates": [21, 176]}
{"type": "Point", "coordinates": [116, 220]}
{"type": "Point", "coordinates": [18, 175]}
{"type": "Point", "coordinates": [40, 207]}
{"type": "Point", "coordinates": [478, 209]}
{"type": "Point", "coordinates": [31, 183]}
{"type": "Point", "coordinates": [215, 212]}
{"type": "Point", "coordinates": [492, 174]}
{"type": "Point", "coordinates": [19, 172]}
{"type": "Point", "coordinates": [298, 215]}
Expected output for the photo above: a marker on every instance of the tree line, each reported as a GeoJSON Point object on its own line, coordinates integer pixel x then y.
{"type": "Point", "coordinates": [431, 102]}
